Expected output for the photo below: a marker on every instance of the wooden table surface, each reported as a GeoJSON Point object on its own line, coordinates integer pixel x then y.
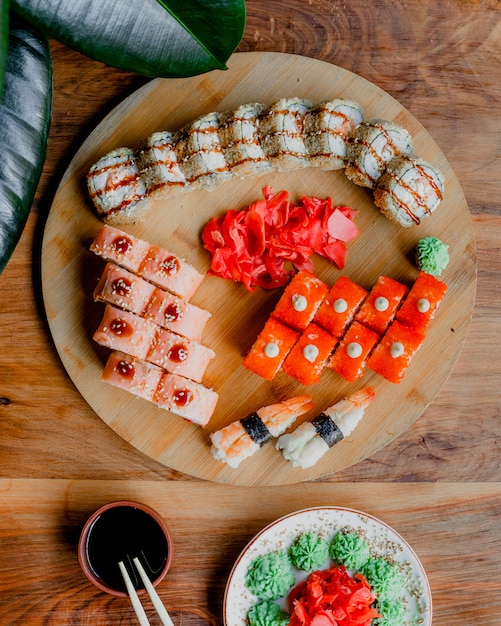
{"type": "Point", "coordinates": [438, 484]}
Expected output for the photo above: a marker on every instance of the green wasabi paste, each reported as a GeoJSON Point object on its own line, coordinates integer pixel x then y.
{"type": "Point", "coordinates": [384, 578]}
{"type": "Point", "coordinates": [349, 550]}
{"type": "Point", "coordinates": [392, 613]}
{"type": "Point", "coordinates": [432, 255]}
{"type": "Point", "coordinates": [309, 552]}
{"type": "Point", "coordinates": [266, 613]}
{"type": "Point", "coordinates": [270, 575]}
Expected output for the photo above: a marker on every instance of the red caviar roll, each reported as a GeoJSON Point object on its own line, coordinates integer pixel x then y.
{"type": "Point", "coordinates": [342, 302]}
{"type": "Point", "coordinates": [300, 301]}
{"type": "Point", "coordinates": [350, 356]}
{"type": "Point", "coordinates": [423, 300]}
{"type": "Point", "coordinates": [271, 347]}
{"type": "Point", "coordinates": [306, 361]}
{"type": "Point", "coordinates": [381, 304]}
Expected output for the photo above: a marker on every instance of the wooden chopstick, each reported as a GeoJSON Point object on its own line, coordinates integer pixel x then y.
{"type": "Point", "coordinates": [134, 598]}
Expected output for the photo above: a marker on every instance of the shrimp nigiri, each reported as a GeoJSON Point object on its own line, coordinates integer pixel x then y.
{"type": "Point", "coordinates": [311, 440]}
{"type": "Point", "coordinates": [242, 438]}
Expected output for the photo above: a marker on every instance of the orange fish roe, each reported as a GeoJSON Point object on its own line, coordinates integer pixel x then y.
{"type": "Point", "coordinates": [340, 305]}
{"type": "Point", "coordinates": [306, 361]}
{"type": "Point", "coordinates": [423, 300]}
{"type": "Point", "coordinates": [381, 304]}
{"type": "Point", "coordinates": [351, 354]}
{"type": "Point", "coordinates": [271, 347]}
{"type": "Point", "coordinates": [393, 354]}
{"type": "Point", "coordinates": [300, 300]}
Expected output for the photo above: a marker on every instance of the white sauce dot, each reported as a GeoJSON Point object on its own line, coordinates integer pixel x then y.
{"type": "Point", "coordinates": [354, 350]}
{"type": "Point", "coordinates": [381, 304]}
{"type": "Point", "coordinates": [271, 350]}
{"type": "Point", "coordinates": [340, 305]}
{"type": "Point", "coordinates": [310, 352]}
{"type": "Point", "coordinates": [299, 302]}
{"type": "Point", "coordinates": [423, 305]}
{"type": "Point", "coordinates": [397, 349]}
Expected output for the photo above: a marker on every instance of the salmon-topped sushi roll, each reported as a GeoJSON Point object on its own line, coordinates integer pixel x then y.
{"type": "Point", "coordinates": [119, 247]}
{"type": "Point", "coordinates": [371, 146]}
{"type": "Point", "coordinates": [179, 355]}
{"type": "Point", "coordinates": [394, 353]}
{"type": "Point", "coordinates": [306, 361]}
{"type": "Point", "coordinates": [124, 289]}
{"type": "Point", "coordinates": [200, 154]}
{"type": "Point", "coordinates": [176, 314]}
{"type": "Point", "coordinates": [351, 354]}
{"type": "Point", "coordinates": [421, 303]}
{"type": "Point", "coordinates": [241, 439]}
{"type": "Point", "coordinates": [340, 305]}
{"type": "Point", "coordinates": [157, 162]}
{"type": "Point", "coordinates": [126, 332]}
{"type": "Point", "coordinates": [409, 191]}
{"type": "Point", "coordinates": [186, 398]}
{"type": "Point", "coordinates": [281, 128]}
{"type": "Point", "coordinates": [326, 128]}
{"type": "Point", "coordinates": [271, 347]}
{"type": "Point", "coordinates": [300, 300]}
{"type": "Point", "coordinates": [241, 143]}
{"type": "Point", "coordinates": [382, 303]}
{"type": "Point", "coordinates": [116, 188]}
{"type": "Point", "coordinates": [168, 271]}
{"type": "Point", "coordinates": [131, 374]}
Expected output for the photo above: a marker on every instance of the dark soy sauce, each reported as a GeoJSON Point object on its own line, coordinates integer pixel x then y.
{"type": "Point", "coordinates": [120, 534]}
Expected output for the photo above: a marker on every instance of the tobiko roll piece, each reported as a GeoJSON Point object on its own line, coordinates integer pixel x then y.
{"type": "Point", "coordinates": [351, 354]}
{"type": "Point", "coordinates": [271, 347]}
{"type": "Point", "coordinates": [381, 305]}
{"type": "Point", "coordinates": [420, 305]}
{"type": "Point", "coordinates": [340, 305]}
{"type": "Point", "coordinates": [306, 361]}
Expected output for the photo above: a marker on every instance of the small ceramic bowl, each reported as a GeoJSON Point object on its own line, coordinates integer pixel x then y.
{"type": "Point", "coordinates": [120, 531]}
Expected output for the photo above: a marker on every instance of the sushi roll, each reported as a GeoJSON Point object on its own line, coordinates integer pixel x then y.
{"type": "Point", "coordinates": [306, 361]}
{"type": "Point", "coordinates": [281, 128]}
{"type": "Point", "coordinates": [179, 355]}
{"type": "Point", "coordinates": [409, 191]}
{"type": "Point", "coordinates": [126, 332]}
{"type": "Point", "coordinates": [117, 246]}
{"type": "Point", "coordinates": [394, 353]}
{"type": "Point", "coordinates": [200, 155]}
{"type": "Point", "coordinates": [300, 300]}
{"type": "Point", "coordinates": [326, 128]}
{"type": "Point", "coordinates": [186, 398]}
{"type": "Point", "coordinates": [420, 306]}
{"type": "Point", "coordinates": [340, 305]}
{"type": "Point", "coordinates": [123, 289]}
{"type": "Point", "coordinates": [268, 352]}
{"type": "Point", "coordinates": [239, 440]}
{"type": "Point", "coordinates": [116, 187]}
{"type": "Point", "coordinates": [370, 148]}
{"type": "Point", "coordinates": [352, 352]}
{"type": "Point", "coordinates": [177, 315]}
{"type": "Point", "coordinates": [311, 440]}
{"type": "Point", "coordinates": [157, 162]}
{"type": "Point", "coordinates": [240, 141]}
{"type": "Point", "coordinates": [381, 304]}
{"type": "Point", "coordinates": [131, 374]}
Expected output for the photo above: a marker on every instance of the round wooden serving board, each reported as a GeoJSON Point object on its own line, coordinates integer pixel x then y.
{"type": "Point", "coordinates": [70, 273]}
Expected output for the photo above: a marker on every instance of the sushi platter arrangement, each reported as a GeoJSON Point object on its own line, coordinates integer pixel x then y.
{"type": "Point", "coordinates": [199, 371]}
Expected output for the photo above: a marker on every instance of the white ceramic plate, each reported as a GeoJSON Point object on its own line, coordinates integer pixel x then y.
{"type": "Point", "coordinates": [327, 521]}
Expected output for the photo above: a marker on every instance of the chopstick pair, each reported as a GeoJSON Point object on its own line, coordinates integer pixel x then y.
{"type": "Point", "coordinates": [136, 603]}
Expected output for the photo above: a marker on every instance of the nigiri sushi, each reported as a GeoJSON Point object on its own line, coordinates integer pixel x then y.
{"type": "Point", "coordinates": [311, 440]}
{"type": "Point", "coordinates": [242, 438]}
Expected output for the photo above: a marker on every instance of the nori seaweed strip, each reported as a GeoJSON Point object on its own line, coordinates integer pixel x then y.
{"type": "Point", "coordinates": [256, 429]}
{"type": "Point", "coordinates": [327, 429]}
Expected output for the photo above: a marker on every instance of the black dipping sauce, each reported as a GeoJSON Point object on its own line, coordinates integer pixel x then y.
{"type": "Point", "coordinates": [120, 534]}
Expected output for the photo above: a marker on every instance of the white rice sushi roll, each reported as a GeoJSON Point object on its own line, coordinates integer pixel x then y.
{"type": "Point", "coordinates": [281, 128]}
{"type": "Point", "coordinates": [116, 188]}
{"type": "Point", "coordinates": [241, 142]}
{"type": "Point", "coordinates": [326, 128]}
{"type": "Point", "coordinates": [200, 154]}
{"type": "Point", "coordinates": [186, 398]}
{"type": "Point", "coordinates": [157, 162]}
{"type": "Point", "coordinates": [409, 191]}
{"type": "Point", "coordinates": [311, 440]}
{"type": "Point", "coordinates": [370, 148]}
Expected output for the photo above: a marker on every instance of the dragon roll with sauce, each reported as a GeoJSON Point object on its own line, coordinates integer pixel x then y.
{"type": "Point", "coordinates": [241, 439]}
{"type": "Point", "coordinates": [306, 445]}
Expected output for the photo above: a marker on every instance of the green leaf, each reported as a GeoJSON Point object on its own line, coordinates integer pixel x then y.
{"type": "Point", "coordinates": [4, 40]}
{"type": "Point", "coordinates": [25, 114]}
{"type": "Point", "coordinates": [171, 38]}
